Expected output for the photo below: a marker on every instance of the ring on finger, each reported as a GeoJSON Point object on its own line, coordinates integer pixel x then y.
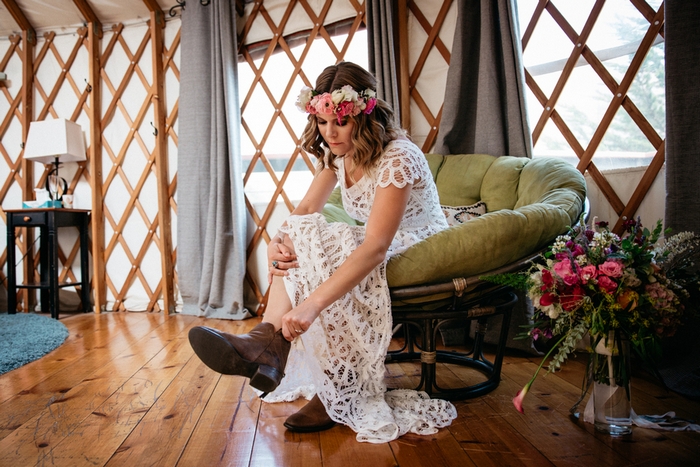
{"type": "Point", "coordinates": [274, 264]}
{"type": "Point", "coordinates": [298, 331]}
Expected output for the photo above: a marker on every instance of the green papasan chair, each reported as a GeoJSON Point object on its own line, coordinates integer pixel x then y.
{"type": "Point", "coordinates": [436, 283]}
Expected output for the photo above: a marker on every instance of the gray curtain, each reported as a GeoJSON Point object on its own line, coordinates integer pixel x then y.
{"type": "Point", "coordinates": [682, 117]}
{"type": "Point", "coordinates": [381, 30]}
{"type": "Point", "coordinates": [211, 211]}
{"type": "Point", "coordinates": [681, 364]}
{"type": "Point", "coordinates": [484, 106]}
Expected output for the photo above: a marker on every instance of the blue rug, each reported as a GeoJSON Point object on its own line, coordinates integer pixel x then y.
{"type": "Point", "coordinates": [24, 337]}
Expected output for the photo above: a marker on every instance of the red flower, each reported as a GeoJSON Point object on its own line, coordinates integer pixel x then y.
{"type": "Point", "coordinates": [547, 278]}
{"type": "Point", "coordinates": [548, 298]}
{"type": "Point", "coordinates": [607, 284]}
{"type": "Point", "coordinates": [572, 299]}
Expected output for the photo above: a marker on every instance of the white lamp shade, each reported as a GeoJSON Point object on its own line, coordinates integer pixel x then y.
{"type": "Point", "coordinates": [49, 139]}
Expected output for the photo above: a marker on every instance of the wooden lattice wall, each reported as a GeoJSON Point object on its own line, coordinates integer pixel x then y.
{"type": "Point", "coordinates": [122, 86]}
{"type": "Point", "coordinates": [135, 164]}
{"type": "Point", "coordinates": [619, 98]}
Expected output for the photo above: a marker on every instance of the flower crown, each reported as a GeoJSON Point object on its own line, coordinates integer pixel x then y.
{"type": "Point", "coordinates": [342, 102]}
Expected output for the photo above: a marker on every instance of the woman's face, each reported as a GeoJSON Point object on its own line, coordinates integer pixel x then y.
{"type": "Point", "coordinates": [338, 136]}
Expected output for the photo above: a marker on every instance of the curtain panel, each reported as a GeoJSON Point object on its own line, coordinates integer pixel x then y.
{"type": "Point", "coordinates": [682, 18]}
{"type": "Point", "coordinates": [381, 44]}
{"type": "Point", "coordinates": [484, 105]}
{"type": "Point", "coordinates": [211, 210]}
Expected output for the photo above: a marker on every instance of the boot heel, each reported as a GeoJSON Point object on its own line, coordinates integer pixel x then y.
{"type": "Point", "coordinates": [266, 378]}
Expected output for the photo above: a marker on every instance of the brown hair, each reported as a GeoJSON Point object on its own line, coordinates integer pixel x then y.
{"type": "Point", "coordinates": [371, 132]}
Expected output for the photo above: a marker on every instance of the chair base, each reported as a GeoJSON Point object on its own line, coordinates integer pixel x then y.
{"type": "Point", "coordinates": [420, 328]}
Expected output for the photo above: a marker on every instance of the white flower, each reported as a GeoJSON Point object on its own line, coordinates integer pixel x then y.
{"type": "Point", "coordinates": [305, 96]}
{"type": "Point", "coordinates": [552, 311]}
{"type": "Point", "coordinates": [346, 93]}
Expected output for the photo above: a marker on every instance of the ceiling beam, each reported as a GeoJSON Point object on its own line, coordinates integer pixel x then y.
{"type": "Point", "coordinates": [153, 6]}
{"type": "Point", "coordinates": [158, 16]}
{"type": "Point", "coordinates": [90, 16]}
{"type": "Point", "coordinates": [21, 20]}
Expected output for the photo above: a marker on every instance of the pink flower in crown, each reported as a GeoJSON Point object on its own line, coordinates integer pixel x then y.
{"type": "Point", "coordinates": [608, 285]}
{"type": "Point", "coordinates": [563, 269]}
{"type": "Point", "coordinates": [371, 102]}
{"type": "Point", "coordinates": [324, 104]}
{"type": "Point", "coordinates": [611, 268]}
{"type": "Point", "coordinates": [344, 109]}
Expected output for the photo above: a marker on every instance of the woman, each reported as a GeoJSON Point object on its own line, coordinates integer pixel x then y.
{"type": "Point", "coordinates": [328, 290]}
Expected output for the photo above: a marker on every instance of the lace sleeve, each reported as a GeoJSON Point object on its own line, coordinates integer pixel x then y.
{"type": "Point", "coordinates": [401, 164]}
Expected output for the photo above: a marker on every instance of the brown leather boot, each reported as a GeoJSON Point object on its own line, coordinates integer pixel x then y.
{"type": "Point", "coordinates": [260, 355]}
{"type": "Point", "coordinates": [311, 418]}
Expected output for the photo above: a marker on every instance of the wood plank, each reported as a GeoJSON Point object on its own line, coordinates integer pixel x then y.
{"type": "Point", "coordinates": [115, 419]}
{"type": "Point", "coordinates": [136, 395]}
{"type": "Point", "coordinates": [80, 341]}
{"type": "Point", "coordinates": [441, 448]}
{"type": "Point", "coordinates": [274, 445]}
{"type": "Point", "coordinates": [489, 440]}
{"type": "Point", "coordinates": [99, 350]}
{"type": "Point", "coordinates": [226, 430]}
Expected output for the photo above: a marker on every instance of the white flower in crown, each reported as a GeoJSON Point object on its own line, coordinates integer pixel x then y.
{"type": "Point", "coordinates": [344, 94]}
{"type": "Point", "coordinates": [304, 98]}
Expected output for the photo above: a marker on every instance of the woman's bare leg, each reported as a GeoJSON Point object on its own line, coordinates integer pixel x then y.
{"type": "Point", "coordinates": [278, 303]}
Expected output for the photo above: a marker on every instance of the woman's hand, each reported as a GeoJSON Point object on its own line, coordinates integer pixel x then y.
{"type": "Point", "coordinates": [281, 257]}
{"type": "Point", "coordinates": [298, 320]}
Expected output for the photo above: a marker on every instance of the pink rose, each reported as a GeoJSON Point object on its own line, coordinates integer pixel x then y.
{"type": "Point", "coordinates": [563, 270]}
{"type": "Point", "coordinates": [607, 284]}
{"type": "Point", "coordinates": [611, 268]}
{"type": "Point", "coordinates": [324, 104]}
{"type": "Point", "coordinates": [588, 272]}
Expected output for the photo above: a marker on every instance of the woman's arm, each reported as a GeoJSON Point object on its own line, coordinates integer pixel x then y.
{"type": "Point", "coordinates": [384, 220]}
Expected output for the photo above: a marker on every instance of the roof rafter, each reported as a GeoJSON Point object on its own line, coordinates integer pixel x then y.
{"type": "Point", "coordinates": [21, 19]}
{"type": "Point", "coordinates": [90, 16]}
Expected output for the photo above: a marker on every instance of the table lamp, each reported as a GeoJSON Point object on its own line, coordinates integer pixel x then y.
{"type": "Point", "coordinates": [52, 142]}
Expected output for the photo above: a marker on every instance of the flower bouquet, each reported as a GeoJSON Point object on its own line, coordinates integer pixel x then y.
{"type": "Point", "coordinates": [624, 291]}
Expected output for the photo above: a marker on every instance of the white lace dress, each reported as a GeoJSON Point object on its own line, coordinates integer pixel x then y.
{"type": "Point", "coordinates": [341, 356]}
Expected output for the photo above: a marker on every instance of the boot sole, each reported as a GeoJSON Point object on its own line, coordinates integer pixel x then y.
{"type": "Point", "coordinates": [309, 429]}
{"type": "Point", "coordinates": [218, 354]}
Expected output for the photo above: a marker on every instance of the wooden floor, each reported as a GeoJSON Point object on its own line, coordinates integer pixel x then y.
{"type": "Point", "coordinates": [126, 389]}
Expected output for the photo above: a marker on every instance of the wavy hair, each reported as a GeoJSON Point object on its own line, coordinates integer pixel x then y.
{"type": "Point", "coordinates": [371, 132]}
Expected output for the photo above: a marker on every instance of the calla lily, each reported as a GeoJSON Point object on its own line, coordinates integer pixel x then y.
{"type": "Point", "coordinates": [520, 396]}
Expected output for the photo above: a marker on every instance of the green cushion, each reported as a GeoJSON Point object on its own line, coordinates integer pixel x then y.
{"type": "Point", "coordinates": [499, 186]}
{"type": "Point", "coordinates": [435, 162]}
{"type": "Point", "coordinates": [459, 179]}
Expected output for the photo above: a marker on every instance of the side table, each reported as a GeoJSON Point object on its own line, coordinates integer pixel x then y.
{"type": "Point", "coordinates": [48, 220]}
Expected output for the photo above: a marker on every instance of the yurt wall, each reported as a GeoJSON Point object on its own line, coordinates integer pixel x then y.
{"type": "Point", "coordinates": [594, 94]}
{"type": "Point", "coordinates": [122, 88]}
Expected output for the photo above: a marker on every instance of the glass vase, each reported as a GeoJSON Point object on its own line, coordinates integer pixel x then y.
{"type": "Point", "coordinates": [609, 367]}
